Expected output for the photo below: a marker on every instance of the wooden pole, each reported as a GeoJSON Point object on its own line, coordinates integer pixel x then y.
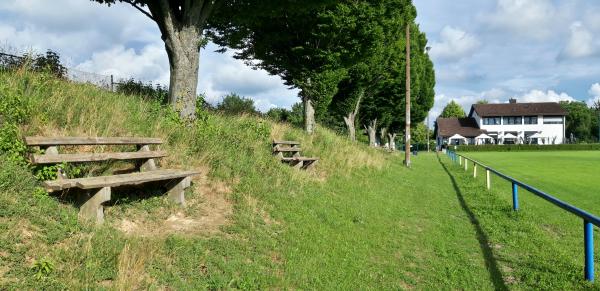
{"type": "Point", "coordinates": [474, 170]}
{"type": "Point", "coordinates": [487, 179]}
{"type": "Point", "coordinates": [407, 115]}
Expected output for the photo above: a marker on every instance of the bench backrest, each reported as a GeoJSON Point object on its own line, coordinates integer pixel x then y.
{"type": "Point", "coordinates": [51, 155]}
{"type": "Point", "coordinates": [75, 141]}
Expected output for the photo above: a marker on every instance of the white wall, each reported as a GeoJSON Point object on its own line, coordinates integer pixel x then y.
{"type": "Point", "coordinates": [548, 130]}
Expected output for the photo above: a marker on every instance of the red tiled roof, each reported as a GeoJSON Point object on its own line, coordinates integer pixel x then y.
{"type": "Point", "coordinates": [466, 127]}
{"type": "Point", "coordinates": [518, 109]}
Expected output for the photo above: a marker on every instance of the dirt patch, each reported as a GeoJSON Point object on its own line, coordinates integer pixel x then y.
{"type": "Point", "coordinates": [205, 213]}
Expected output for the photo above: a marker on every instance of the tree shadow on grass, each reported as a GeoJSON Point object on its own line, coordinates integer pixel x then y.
{"type": "Point", "coordinates": [490, 262]}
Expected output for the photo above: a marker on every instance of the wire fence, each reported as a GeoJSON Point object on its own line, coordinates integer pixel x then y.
{"type": "Point", "coordinates": [107, 82]}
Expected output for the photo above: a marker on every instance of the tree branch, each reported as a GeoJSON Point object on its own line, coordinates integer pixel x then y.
{"type": "Point", "coordinates": [140, 9]}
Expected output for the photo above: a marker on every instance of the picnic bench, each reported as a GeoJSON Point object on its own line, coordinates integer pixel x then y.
{"type": "Point", "coordinates": [289, 152]}
{"type": "Point", "coordinates": [96, 190]}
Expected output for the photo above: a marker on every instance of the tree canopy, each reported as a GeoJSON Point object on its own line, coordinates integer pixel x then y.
{"type": "Point", "coordinates": [452, 109]}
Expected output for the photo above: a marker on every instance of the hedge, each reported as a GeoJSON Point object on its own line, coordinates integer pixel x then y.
{"type": "Point", "coordinates": [527, 147]}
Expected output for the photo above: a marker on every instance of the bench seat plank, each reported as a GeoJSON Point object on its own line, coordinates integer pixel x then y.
{"type": "Point", "coordinates": [285, 142]}
{"type": "Point", "coordinates": [117, 180]}
{"type": "Point", "coordinates": [95, 157]}
{"type": "Point", "coordinates": [299, 159]}
{"type": "Point", "coordinates": [71, 141]}
{"type": "Point", "coordinates": [286, 149]}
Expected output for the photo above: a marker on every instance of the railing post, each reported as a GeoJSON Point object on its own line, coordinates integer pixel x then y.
{"type": "Point", "coordinates": [487, 179]}
{"type": "Point", "coordinates": [588, 241]}
{"type": "Point", "coordinates": [474, 170]}
{"type": "Point", "coordinates": [466, 164]}
{"type": "Point", "coordinates": [515, 197]}
{"type": "Point", "coordinates": [460, 160]}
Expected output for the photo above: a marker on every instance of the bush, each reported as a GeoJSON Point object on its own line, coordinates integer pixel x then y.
{"type": "Point", "coordinates": [527, 147]}
{"type": "Point", "coordinates": [234, 104]}
{"type": "Point", "coordinates": [148, 91]}
{"type": "Point", "coordinates": [50, 63]}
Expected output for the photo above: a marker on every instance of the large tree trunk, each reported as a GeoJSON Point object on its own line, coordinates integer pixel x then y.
{"type": "Point", "coordinates": [309, 116]}
{"type": "Point", "coordinates": [184, 57]}
{"type": "Point", "coordinates": [372, 132]}
{"type": "Point", "coordinates": [350, 120]}
{"type": "Point", "coordinates": [181, 25]}
{"type": "Point", "coordinates": [392, 141]}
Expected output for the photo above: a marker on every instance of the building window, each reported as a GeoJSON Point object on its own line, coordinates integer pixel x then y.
{"type": "Point", "coordinates": [491, 121]}
{"type": "Point", "coordinates": [530, 120]}
{"type": "Point", "coordinates": [511, 120]}
{"type": "Point", "coordinates": [553, 120]}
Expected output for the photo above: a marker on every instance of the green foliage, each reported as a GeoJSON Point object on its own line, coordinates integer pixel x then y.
{"type": "Point", "coordinates": [14, 110]}
{"type": "Point", "coordinates": [42, 268]}
{"type": "Point", "coordinates": [527, 147]}
{"type": "Point", "coordinates": [148, 91]}
{"type": "Point", "coordinates": [48, 63]}
{"type": "Point", "coordinates": [582, 121]}
{"type": "Point", "coordinates": [452, 109]}
{"type": "Point", "coordinates": [419, 134]}
{"type": "Point", "coordinates": [234, 104]}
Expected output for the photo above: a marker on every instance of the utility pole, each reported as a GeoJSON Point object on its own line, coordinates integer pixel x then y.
{"type": "Point", "coordinates": [407, 129]}
{"type": "Point", "coordinates": [428, 131]}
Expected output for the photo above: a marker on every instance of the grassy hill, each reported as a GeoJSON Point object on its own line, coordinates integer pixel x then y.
{"type": "Point", "coordinates": [360, 220]}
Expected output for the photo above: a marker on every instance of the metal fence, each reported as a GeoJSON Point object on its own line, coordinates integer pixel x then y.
{"type": "Point", "coordinates": [589, 220]}
{"type": "Point", "coordinates": [107, 82]}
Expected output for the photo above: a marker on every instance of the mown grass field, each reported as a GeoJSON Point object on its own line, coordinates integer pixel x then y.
{"type": "Point", "coordinates": [571, 176]}
{"type": "Point", "coordinates": [568, 175]}
{"type": "Point", "coordinates": [359, 221]}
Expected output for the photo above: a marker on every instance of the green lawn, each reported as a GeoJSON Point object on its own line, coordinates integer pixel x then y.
{"type": "Point", "coordinates": [571, 176]}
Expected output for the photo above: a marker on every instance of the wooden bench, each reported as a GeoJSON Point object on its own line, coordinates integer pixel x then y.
{"type": "Point", "coordinates": [97, 190]}
{"type": "Point", "coordinates": [289, 152]}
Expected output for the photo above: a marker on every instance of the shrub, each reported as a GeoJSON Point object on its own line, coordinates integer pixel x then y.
{"type": "Point", "coordinates": [528, 147]}
{"type": "Point", "coordinates": [234, 104]}
{"type": "Point", "coordinates": [148, 91]}
{"type": "Point", "coordinates": [50, 63]}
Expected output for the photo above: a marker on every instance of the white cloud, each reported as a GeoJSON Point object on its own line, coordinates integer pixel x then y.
{"type": "Point", "coordinates": [455, 44]}
{"type": "Point", "coordinates": [580, 44]}
{"type": "Point", "coordinates": [595, 94]}
{"type": "Point", "coordinates": [149, 64]}
{"type": "Point", "coordinates": [530, 18]}
{"type": "Point", "coordinates": [541, 96]}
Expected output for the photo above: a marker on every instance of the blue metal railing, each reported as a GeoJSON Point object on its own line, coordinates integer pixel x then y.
{"type": "Point", "coordinates": [589, 220]}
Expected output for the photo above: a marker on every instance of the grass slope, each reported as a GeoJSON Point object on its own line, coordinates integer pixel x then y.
{"type": "Point", "coordinates": [359, 221]}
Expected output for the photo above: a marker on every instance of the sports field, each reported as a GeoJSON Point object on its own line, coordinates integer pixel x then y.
{"type": "Point", "coordinates": [572, 176]}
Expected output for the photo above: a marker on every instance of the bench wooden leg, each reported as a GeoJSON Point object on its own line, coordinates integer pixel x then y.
{"type": "Point", "coordinates": [309, 165]}
{"type": "Point", "coordinates": [299, 165]}
{"type": "Point", "coordinates": [92, 208]}
{"type": "Point", "coordinates": [149, 164]}
{"type": "Point", "coordinates": [176, 193]}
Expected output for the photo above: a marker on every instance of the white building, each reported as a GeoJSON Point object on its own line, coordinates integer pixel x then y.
{"type": "Point", "coordinates": [507, 123]}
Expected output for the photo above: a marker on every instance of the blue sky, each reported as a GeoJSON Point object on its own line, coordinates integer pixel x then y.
{"type": "Point", "coordinates": [534, 50]}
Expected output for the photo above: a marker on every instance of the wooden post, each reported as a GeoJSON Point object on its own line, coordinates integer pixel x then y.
{"type": "Point", "coordinates": [407, 115]}
{"type": "Point", "coordinates": [149, 164]}
{"type": "Point", "coordinates": [487, 179]}
{"type": "Point", "coordinates": [460, 160]}
{"type": "Point", "coordinates": [466, 165]}
{"type": "Point", "coordinates": [474, 170]}
{"type": "Point", "coordinates": [176, 193]}
{"type": "Point", "coordinates": [91, 208]}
